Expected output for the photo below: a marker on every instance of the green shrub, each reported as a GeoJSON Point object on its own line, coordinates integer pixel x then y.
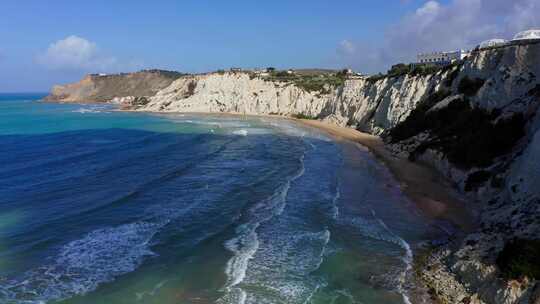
{"type": "Point", "coordinates": [192, 85]}
{"type": "Point", "coordinates": [469, 137]}
{"type": "Point", "coordinates": [280, 74]}
{"type": "Point", "coordinates": [320, 83]}
{"type": "Point", "coordinates": [303, 116]}
{"type": "Point", "coordinates": [399, 69]}
{"type": "Point", "coordinates": [425, 69]}
{"type": "Point", "coordinates": [520, 258]}
{"type": "Point", "coordinates": [469, 87]}
{"type": "Point", "coordinates": [416, 122]}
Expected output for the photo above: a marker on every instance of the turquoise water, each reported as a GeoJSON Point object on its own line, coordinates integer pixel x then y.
{"type": "Point", "coordinates": [99, 206]}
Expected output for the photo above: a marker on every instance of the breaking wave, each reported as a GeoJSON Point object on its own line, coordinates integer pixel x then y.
{"type": "Point", "coordinates": [83, 264]}
{"type": "Point", "coordinates": [375, 228]}
{"type": "Point", "coordinates": [246, 243]}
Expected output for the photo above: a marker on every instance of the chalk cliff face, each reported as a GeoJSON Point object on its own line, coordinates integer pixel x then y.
{"type": "Point", "coordinates": [372, 106]}
{"type": "Point", "coordinates": [103, 88]}
{"type": "Point", "coordinates": [478, 123]}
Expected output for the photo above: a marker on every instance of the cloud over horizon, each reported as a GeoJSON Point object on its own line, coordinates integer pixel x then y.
{"type": "Point", "coordinates": [75, 53]}
{"type": "Point", "coordinates": [461, 24]}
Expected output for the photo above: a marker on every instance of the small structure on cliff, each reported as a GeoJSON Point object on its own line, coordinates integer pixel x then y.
{"type": "Point", "coordinates": [441, 58]}
{"type": "Point", "coordinates": [492, 43]}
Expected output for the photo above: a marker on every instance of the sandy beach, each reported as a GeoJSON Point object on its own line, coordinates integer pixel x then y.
{"type": "Point", "coordinates": [426, 188]}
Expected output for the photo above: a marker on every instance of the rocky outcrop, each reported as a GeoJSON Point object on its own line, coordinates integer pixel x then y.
{"type": "Point", "coordinates": [478, 123]}
{"type": "Point", "coordinates": [104, 88]}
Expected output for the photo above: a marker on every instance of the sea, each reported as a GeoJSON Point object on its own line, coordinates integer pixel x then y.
{"type": "Point", "coordinates": [102, 206]}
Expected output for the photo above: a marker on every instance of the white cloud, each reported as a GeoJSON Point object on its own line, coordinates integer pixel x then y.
{"type": "Point", "coordinates": [346, 47]}
{"type": "Point", "coordinates": [436, 26]}
{"type": "Point", "coordinates": [76, 53]}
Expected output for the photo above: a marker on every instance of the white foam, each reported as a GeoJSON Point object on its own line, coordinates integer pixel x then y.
{"type": "Point", "coordinates": [377, 229]}
{"type": "Point", "coordinates": [335, 200]}
{"type": "Point", "coordinates": [241, 132]}
{"type": "Point", "coordinates": [245, 245]}
{"type": "Point", "coordinates": [141, 295]}
{"type": "Point", "coordinates": [86, 110]}
{"type": "Point", "coordinates": [83, 264]}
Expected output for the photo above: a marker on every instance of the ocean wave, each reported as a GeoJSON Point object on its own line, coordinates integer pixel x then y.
{"type": "Point", "coordinates": [83, 264]}
{"type": "Point", "coordinates": [220, 124]}
{"type": "Point", "coordinates": [375, 228]}
{"type": "Point", "coordinates": [141, 295]}
{"type": "Point", "coordinates": [334, 213]}
{"type": "Point", "coordinates": [93, 109]}
{"type": "Point", "coordinates": [241, 132]}
{"type": "Point", "coordinates": [245, 245]}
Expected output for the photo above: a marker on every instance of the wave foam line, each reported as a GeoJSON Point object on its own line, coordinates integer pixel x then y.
{"type": "Point", "coordinates": [407, 259]}
{"type": "Point", "coordinates": [82, 265]}
{"type": "Point", "coordinates": [246, 244]}
{"type": "Point", "coordinates": [335, 208]}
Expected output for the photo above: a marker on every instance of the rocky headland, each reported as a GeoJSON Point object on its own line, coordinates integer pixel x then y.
{"type": "Point", "coordinates": [477, 122]}
{"type": "Point", "coordinates": [104, 88]}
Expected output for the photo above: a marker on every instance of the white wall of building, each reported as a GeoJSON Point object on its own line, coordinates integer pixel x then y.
{"type": "Point", "coordinates": [441, 57]}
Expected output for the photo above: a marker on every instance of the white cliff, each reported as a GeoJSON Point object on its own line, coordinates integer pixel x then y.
{"type": "Point", "coordinates": [372, 106]}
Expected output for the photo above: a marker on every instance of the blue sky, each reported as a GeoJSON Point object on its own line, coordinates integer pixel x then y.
{"type": "Point", "coordinates": [47, 42]}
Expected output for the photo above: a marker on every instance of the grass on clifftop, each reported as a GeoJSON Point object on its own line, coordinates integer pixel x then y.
{"type": "Point", "coordinates": [402, 69]}
{"type": "Point", "coordinates": [303, 116]}
{"type": "Point", "coordinates": [520, 258]}
{"type": "Point", "coordinates": [322, 83]}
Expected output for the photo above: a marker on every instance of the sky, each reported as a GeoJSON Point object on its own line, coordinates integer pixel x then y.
{"type": "Point", "coordinates": [43, 43]}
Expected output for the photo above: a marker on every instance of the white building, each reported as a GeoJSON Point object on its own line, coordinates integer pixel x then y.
{"type": "Point", "coordinates": [441, 58]}
{"type": "Point", "coordinates": [492, 43]}
{"type": "Point", "coordinates": [527, 35]}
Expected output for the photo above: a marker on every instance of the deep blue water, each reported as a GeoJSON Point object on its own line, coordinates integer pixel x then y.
{"type": "Point", "coordinates": [100, 206]}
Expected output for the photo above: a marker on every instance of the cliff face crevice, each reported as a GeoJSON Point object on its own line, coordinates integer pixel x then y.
{"type": "Point", "coordinates": [478, 123]}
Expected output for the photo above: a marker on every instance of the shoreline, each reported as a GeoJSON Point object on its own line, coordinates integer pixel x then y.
{"type": "Point", "coordinates": [428, 190]}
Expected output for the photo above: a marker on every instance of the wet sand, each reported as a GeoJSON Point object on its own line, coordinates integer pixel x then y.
{"type": "Point", "coordinates": [433, 195]}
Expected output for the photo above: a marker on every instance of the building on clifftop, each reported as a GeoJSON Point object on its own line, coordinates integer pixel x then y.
{"type": "Point", "coordinates": [441, 58]}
